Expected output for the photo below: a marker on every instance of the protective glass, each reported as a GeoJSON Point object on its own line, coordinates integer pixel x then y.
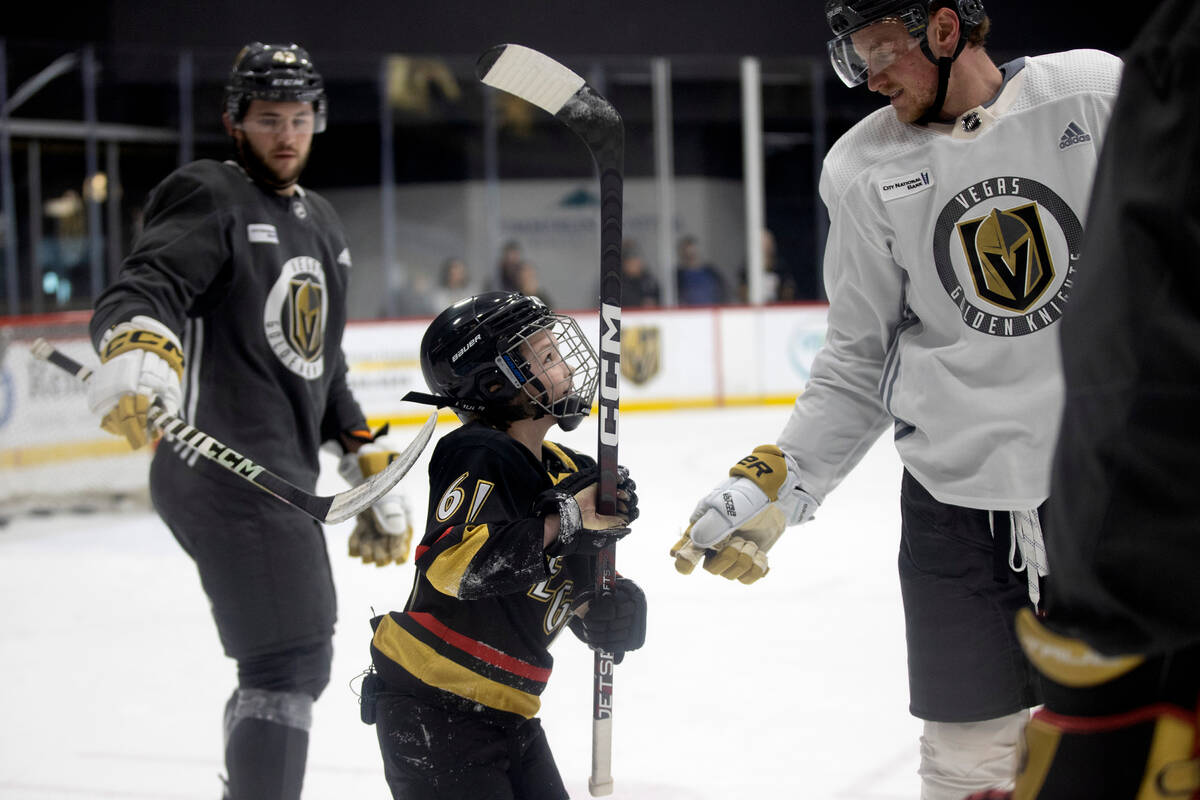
{"type": "Point", "coordinates": [856, 56]}
{"type": "Point", "coordinates": [553, 363]}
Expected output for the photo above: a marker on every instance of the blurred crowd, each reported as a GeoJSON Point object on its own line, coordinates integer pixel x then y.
{"type": "Point", "coordinates": [698, 281]}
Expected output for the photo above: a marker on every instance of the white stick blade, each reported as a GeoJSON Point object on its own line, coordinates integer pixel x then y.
{"type": "Point", "coordinates": [530, 75]}
{"type": "Point", "coordinates": [349, 503]}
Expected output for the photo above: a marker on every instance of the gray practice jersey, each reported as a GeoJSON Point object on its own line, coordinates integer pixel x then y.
{"type": "Point", "coordinates": [951, 255]}
{"type": "Point", "coordinates": [255, 285]}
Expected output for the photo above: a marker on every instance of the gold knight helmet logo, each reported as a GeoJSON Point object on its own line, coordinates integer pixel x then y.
{"type": "Point", "coordinates": [1009, 259]}
{"type": "Point", "coordinates": [1006, 249]}
{"type": "Point", "coordinates": [296, 315]}
{"type": "Point", "coordinates": [641, 353]}
{"type": "Point", "coordinates": [307, 333]}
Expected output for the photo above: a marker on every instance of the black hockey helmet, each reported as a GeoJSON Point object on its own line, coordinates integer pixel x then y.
{"type": "Point", "coordinates": [475, 356]}
{"type": "Point", "coordinates": [846, 17]}
{"type": "Point", "coordinates": [277, 72]}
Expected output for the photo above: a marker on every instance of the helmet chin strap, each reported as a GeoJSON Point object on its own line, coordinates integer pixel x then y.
{"type": "Point", "coordinates": [495, 414]}
{"type": "Point", "coordinates": [934, 112]}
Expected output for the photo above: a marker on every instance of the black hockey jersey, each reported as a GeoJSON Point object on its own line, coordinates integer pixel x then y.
{"type": "Point", "coordinates": [1124, 513]}
{"type": "Point", "coordinates": [486, 601]}
{"type": "Point", "coordinates": [255, 284]}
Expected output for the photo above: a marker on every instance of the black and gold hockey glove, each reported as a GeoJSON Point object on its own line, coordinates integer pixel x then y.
{"type": "Point", "coordinates": [1112, 725]}
{"type": "Point", "coordinates": [581, 528]}
{"type": "Point", "coordinates": [614, 622]}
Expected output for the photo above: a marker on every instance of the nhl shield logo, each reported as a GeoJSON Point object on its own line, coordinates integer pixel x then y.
{"type": "Point", "coordinates": [641, 353]}
{"type": "Point", "coordinates": [307, 328]}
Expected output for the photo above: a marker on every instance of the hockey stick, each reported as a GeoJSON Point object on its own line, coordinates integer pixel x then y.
{"type": "Point", "coordinates": [329, 509]}
{"type": "Point", "coordinates": [542, 81]}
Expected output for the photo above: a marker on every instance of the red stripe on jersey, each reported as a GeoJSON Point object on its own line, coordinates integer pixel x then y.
{"type": "Point", "coordinates": [478, 649]}
{"type": "Point", "coordinates": [1114, 721]}
{"type": "Point", "coordinates": [422, 549]}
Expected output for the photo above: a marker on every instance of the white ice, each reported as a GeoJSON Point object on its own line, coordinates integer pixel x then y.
{"type": "Point", "coordinates": [112, 681]}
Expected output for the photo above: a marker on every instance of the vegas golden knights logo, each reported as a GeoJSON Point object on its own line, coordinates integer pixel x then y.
{"type": "Point", "coordinates": [306, 327]}
{"type": "Point", "coordinates": [1008, 256]}
{"type": "Point", "coordinates": [992, 246]}
{"type": "Point", "coordinates": [296, 314]}
{"type": "Point", "coordinates": [641, 353]}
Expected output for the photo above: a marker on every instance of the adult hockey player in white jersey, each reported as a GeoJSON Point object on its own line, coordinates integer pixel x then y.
{"type": "Point", "coordinates": [956, 217]}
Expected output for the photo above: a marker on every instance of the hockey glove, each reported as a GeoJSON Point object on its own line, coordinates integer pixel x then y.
{"type": "Point", "coordinates": [614, 622]}
{"type": "Point", "coordinates": [1112, 725]}
{"type": "Point", "coordinates": [383, 533]}
{"type": "Point", "coordinates": [581, 528]}
{"type": "Point", "coordinates": [735, 525]}
{"type": "Point", "coordinates": [141, 363]}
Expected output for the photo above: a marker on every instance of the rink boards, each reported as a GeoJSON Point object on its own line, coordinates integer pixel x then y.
{"type": "Point", "coordinates": [52, 451]}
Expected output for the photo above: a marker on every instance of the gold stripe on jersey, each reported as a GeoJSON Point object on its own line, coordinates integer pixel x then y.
{"type": "Point", "coordinates": [447, 570]}
{"type": "Point", "coordinates": [434, 669]}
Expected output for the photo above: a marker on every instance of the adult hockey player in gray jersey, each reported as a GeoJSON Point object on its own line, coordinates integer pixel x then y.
{"type": "Point", "coordinates": [230, 312]}
{"type": "Point", "coordinates": [955, 224]}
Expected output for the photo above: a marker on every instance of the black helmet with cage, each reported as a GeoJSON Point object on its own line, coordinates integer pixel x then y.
{"type": "Point", "coordinates": [478, 358]}
{"type": "Point", "coordinates": [847, 17]}
{"type": "Point", "coordinates": [276, 72]}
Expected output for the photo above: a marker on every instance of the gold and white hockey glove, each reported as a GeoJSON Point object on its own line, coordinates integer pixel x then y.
{"type": "Point", "coordinates": [141, 362]}
{"type": "Point", "coordinates": [383, 533]}
{"type": "Point", "coordinates": [735, 525]}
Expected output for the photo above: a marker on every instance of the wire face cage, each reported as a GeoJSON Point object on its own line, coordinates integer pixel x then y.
{"type": "Point", "coordinates": [553, 363]}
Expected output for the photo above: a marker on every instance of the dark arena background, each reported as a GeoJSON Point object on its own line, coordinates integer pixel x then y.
{"type": "Point", "coordinates": [125, 91]}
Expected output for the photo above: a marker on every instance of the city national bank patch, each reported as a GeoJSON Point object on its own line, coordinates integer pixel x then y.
{"type": "Point", "coordinates": [905, 185]}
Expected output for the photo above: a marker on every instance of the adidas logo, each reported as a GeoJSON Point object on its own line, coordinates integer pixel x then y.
{"type": "Point", "coordinates": [1072, 136]}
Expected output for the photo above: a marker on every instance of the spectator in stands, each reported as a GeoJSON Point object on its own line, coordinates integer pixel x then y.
{"type": "Point", "coordinates": [697, 282]}
{"type": "Point", "coordinates": [529, 284]}
{"type": "Point", "coordinates": [779, 283]}
{"type": "Point", "coordinates": [508, 267]}
{"type": "Point", "coordinates": [639, 287]}
{"type": "Point", "coordinates": [454, 283]}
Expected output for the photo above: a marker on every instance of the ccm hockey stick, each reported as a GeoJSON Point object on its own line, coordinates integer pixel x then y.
{"type": "Point", "coordinates": [542, 81]}
{"type": "Point", "coordinates": [332, 509]}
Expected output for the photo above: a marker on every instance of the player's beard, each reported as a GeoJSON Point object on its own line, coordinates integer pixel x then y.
{"type": "Point", "coordinates": [258, 169]}
{"type": "Point", "coordinates": [921, 100]}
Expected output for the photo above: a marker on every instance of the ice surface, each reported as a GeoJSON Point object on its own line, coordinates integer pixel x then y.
{"type": "Point", "coordinates": [113, 681]}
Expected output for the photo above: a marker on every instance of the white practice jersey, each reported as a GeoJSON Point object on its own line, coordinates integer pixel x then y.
{"type": "Point", "coordinates": [951, 254]}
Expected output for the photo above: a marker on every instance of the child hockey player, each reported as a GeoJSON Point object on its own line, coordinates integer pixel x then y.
{"type": "Point", "coordinates": [506, 561]}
